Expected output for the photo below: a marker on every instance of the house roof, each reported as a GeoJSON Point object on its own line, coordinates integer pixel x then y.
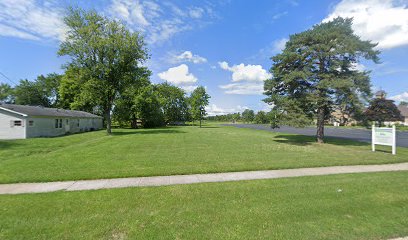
{"type": "Point", "coordinates": [404, 110]}
{"type": "Point", "coordinates": [46, 112]}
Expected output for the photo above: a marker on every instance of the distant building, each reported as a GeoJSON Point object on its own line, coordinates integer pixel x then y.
{"type": "Point", "coordinates": [380, 94]}
{"type": "Point", "coordinates": [20, 121]}
{"type": "Point", "coordinates": [404, 112]}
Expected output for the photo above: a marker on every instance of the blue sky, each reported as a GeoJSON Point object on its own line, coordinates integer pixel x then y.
{"type": "Point", "coordinates": [222, 45]}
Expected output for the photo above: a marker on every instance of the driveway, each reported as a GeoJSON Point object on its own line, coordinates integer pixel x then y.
{"type": "Point", "coordinates": [347, 133]}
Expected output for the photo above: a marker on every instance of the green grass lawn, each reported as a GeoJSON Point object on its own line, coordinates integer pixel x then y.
{"type": "Point", "coordinates": [174, 150]}
{"type": "Point", "coordinates": [351, 206]}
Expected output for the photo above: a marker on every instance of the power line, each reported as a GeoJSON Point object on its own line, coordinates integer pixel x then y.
{"type": "Point", "coordinates": [11, 81]}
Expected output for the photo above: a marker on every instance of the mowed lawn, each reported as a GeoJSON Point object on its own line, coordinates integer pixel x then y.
{"type": "Point", "coordinates": [175, 150]}
{"type": "Point", "coordinates": [350, 206]}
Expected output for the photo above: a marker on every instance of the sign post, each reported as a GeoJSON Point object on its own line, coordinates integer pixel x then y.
{"type": "Point", "coordinates": [384, 136]}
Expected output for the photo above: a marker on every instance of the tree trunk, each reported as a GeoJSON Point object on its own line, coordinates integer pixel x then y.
{"type": "Point", "coordinates": [320, 125]}
{"type": "Point", "coordinates": [133, 122]}
{"type": "Point", "coordinates": [200, 120]}
{"type": "Point", "coordinates": [108, 121]}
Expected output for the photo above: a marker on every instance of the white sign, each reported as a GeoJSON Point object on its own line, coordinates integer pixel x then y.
{"type": "Point", "coordinates": [384, 136]}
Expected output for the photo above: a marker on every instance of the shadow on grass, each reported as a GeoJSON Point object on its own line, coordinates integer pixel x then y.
{"type": "Point", "coordinates": [302, 140]}
{"type": "Point", "coordinates": [147, 131]}
{"type": "Point", "coordinates": [8, 144]}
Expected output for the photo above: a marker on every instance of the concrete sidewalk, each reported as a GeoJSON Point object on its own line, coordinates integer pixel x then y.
{"type": "Point", "coordinates": [18, 188]}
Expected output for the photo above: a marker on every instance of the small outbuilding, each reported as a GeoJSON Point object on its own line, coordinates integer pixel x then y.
{"type": "Point", "coordinates": [404, 112]}
{"type": "Point", "coordinates": [21, 121]}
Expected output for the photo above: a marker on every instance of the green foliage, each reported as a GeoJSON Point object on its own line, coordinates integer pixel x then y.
{"type": "Point", "coordinates": [261, 118]}
{"type": "Point", "coordinates": [231, 117]}
{"type": "Point", "coordinates": [6, 93]}
{"type": "Point", "coordinates": [403, 103]}
{"type": "Point", "coordinates": [107, 56]}
{"type": "Point", "coordinates": [316, 72]}
{"type": "Point", "coordinates": [148, 108]}
{"type": "Point", "coordinates": [30, 93]}
{"type": "Point", "coordinates": [199, 99]}
{"type": "Point", "coordinates": [174, 103]}
{"type": "Point", "coordinates": [381, 110]}
{"type": "Point", "coordinates": [248, 115]}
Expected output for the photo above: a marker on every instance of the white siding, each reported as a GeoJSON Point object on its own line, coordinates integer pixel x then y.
{"type": "Point", "coordinates": [7, 130]}
{"type": "Point", "coordinates": [45, 127]}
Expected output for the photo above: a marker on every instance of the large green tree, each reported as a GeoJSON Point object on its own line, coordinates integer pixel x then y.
{"type": "Point", "coordinates": [317, 71]}
{"type": "Point", "coordinates": [381, 110]}
{"type": "Point", "coordinates": [107, 56]}
{"type": "Point", "coordinates": [199, 99]}
{"type": "Point", "coordinates": [6, 93]}
{"type": "Point", "coordinates": [248, 115]}
{"type": "Point", "coordinates": [31, 93]}
{"type": "Point", "coordinates": [173, 101]}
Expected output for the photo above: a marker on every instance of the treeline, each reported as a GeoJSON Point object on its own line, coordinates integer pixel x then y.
{"type": "Point", "coordinates": [247, 116]}
{"type": "Point", "coordinates": [106, 75]}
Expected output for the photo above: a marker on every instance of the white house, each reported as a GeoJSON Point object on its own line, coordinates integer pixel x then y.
{"type": "Point", "coordinates": [20, 121]}
{"type": "Point", "coordinates": [404, 112]}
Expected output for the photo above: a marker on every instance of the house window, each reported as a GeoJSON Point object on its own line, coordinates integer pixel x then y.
{"type": "Point", "coordinates": [66, 121]}
{"type": "Point", "coordinates": [17, 123]}
{"type": "Point", "coordinates": [60, 123]}
{"type": "Point", "coordinates": [31, 123]}
{"type": "Point", "coordinates": [56, 123]}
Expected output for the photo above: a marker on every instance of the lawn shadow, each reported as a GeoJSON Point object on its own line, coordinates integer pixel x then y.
{"type": "Point", "coordinates": [8, 144]}
{"type": "Point", "coordinates": [147, 131]}
{"type": "Point", "coordinates": [302, 140]}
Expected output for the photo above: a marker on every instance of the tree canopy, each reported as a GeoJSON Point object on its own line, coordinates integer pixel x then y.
{"type": "Point", "coordinates": [317, 71]}
{"type": "Point", "coordinates": [381, 110]}
{"type": "Point", "coordinates": [107, 57]}
{"type": "Point", "coordinates": [199, 99]}
{"type": "Point", "coordinates": [248, 115]}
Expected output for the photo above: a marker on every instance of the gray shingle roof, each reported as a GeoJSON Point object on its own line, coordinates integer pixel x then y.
{"type": "Point", "coordinates": [403, 110]}
{"type": "Point", "coordinates": [49, 112]}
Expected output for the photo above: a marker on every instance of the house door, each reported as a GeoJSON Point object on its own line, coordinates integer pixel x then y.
{"type": "Point", "coordinates": [67, 126]}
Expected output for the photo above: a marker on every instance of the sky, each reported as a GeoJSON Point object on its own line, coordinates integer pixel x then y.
{"type": "Point", "coordinates": [224, 45]}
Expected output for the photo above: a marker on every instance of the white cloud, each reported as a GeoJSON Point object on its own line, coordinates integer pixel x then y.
{"type": "Point", "coordinates": [242, 72]}
{"type": "Point", "coordinates": [158, 22]}
{"type": "Point", "coordinates": [196, 12]}
{"type": "Point", "coordinates": [279, 45]}
{"type": "Point", "coordinates": [382, 21]}
{"type": "Point", "coordinates": [189, 89]}
{"type": "Point", "coordinates": [213, 110]}
{"type": "Point", "coordinates": [30, 19]}
{"type": "Point", "coordinates": [178, 75]}
{"type": "Point", "coordinates": [131, 12]}
{"type": "Point", "coordinates": [248, 88]}
{"type": "Point", "coordinates": [400, 97]}
{"type": "Point", "coordinates": [246, 79]}
{"type": "Point", "coordinates": [188, 56]}
{"type": "Point", "coordinates": [279, 15]}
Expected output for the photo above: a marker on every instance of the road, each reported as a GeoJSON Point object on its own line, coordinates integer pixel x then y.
{"type": "Point", "coordinates": [347, 133]}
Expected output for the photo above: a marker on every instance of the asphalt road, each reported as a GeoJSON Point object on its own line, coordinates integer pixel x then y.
{"type": "Point", "coordinates": [354, 134]}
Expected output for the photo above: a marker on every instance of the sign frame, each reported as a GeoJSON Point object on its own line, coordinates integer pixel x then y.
{"type": "Point", "coordinates": [384, 136]}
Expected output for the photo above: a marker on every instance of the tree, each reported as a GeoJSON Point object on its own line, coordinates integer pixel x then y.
{"type": "Point", "coordinates": [147, 107]}
{"type": "Point", "coordinates": [49, 84]}
{"type": "Point", "coordinates": [31, 93]}
{"type": "Point", "coordinates": [107, 56]}
{"type": "Point", "coordinates": [317, 71]}
{"type": "Point", "coordinates": [261, 118]}
{"type": "Point", "coordinates": [173, 102]}
{"type": "Point", "coordinates": [248, 115]}
{"type": "Point", "coordinates": [403, 103]}
{"type": "Point", "coordinates": [381, 110]}
{"type": "Point", "coordinates": [6, 93]}
{"type": "Point", "coordinates": [199, 99]}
